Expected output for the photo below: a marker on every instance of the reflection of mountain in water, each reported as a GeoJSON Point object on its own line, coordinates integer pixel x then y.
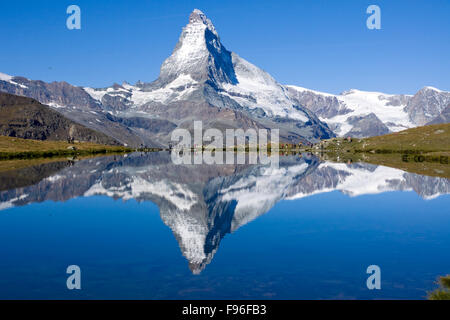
{"type": "Point", "coordinates": [202, 203]}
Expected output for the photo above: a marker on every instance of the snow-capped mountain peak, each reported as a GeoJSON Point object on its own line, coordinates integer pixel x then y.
{"type": "Point", "coordinates": [197, 16]}
{"type": "Point", "coordinates": [5, 77]}
{"type": "Point", "coordinates": [367, 113]}
{"type": "Point", "coordinates": [198, 53]}
{"type": "Point", "coordinates": [432, 89]}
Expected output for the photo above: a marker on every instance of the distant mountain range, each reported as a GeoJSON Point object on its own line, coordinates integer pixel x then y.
{"type": "Point", "coordinates": [363, 114]}
{"type": "Point", "coordinates": [202, 80]}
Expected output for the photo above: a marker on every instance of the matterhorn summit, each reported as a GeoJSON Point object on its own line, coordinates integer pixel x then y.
{"type": "Point", "coordinates": [202, 80]}
{"type": "Point", "coordinates": [197, 16]}
{"type": "Point", "coordinates": [199, 54]}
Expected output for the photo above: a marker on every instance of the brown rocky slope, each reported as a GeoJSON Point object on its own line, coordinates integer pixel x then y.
{"type": "Point", "coordinates": [26, 118]}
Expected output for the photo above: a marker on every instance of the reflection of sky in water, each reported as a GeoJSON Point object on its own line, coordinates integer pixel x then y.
{"type": "Point", "coordinates": [316, 245]}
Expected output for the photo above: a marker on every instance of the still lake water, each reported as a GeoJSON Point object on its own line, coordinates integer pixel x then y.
{"type": "Point", "coordinates": [140, 227]}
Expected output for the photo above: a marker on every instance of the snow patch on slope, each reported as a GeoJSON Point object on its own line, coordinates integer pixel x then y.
{"type": "Point", "coordinates": [5, 77]}
{"type": "Point", "coordinates": [179, 195]}
{"type": "Point", "coordinates": [256, 88]}
{"type": "Point", "coordinates": [191, 235]}
{"type": "Point", "coordinates": [8, 78]}
{"type": "Point", "coordinates": [11, 203]}
{"type": "Point", "coordinates": [363, 103]}
{"type": "Point", "coordinates": [301, 89]}
{"type": "Point", "coordinates": [176, 90]}
{"type": "Point", "coordinates": [360, 181]}
{"type": "Point", "coordinates": [256, 194]}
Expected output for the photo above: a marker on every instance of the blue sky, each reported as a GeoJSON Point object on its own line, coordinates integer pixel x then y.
{"type": "Point", "coordinates": [322, 45]}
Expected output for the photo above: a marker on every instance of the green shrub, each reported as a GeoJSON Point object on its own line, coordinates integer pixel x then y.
{"type": "Point", "coordinates": [443, 292]}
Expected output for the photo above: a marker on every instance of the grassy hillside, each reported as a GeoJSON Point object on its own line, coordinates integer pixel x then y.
{"type": "Point", "coordinates": [16, 148]}
{"type": "Point", "coordinates": [426, 139]}
{"type": "Point", "coordinates": [423, 150]}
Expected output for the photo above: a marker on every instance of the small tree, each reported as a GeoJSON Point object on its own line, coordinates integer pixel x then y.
{"type": "Point", "coordinates": [443, 292]}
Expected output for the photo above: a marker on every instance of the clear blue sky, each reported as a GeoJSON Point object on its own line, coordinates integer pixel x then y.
{"type": "Point", "coordinates": [322, 45]}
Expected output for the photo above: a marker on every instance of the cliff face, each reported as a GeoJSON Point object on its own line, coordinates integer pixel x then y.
{"type": "Point", "coordinates": [26, 118]}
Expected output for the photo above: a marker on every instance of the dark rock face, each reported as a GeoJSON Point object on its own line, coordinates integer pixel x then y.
{"type": "Point", "coordinates": [117, 103]}
{"type": "Point", "coordinates": [444, 117]}
{"type": "Point", "coordinates": [324, 106]}
{"type": "Point", "coordinates": [398, 100]}
{"type": "Point", "coordinates": [152, 125]}
{"type": "Point", "coordinates": [57, 93]}
{"type": "Point", "coordinates": [368, 125]}
{"type": "Point", "coordinates": [427, 104]}
{"type": "Point", "coordinates": [26, 118]}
